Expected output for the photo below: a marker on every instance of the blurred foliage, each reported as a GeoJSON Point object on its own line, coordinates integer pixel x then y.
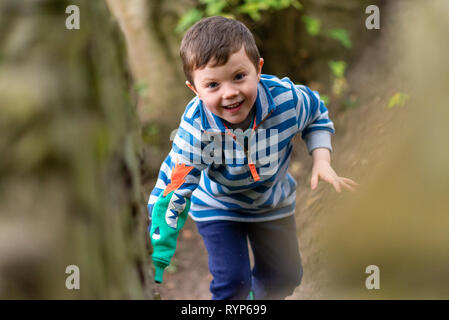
{"type": "Point", "coordinates": [398, 99]}
{"type": "Point", "coordinates": [338, 68]}
{"type": "Point", "coordinates": [232, 9]}
{"type": "Point", "coordinates": [253, 8]}
{"type": "Point", "coordinates": [313, 25]}
{"type": "Point", "coordinates": [340, 35]}
{"type": "Point", "coordinates": [339, 85]}
{"type": "Point", "coordinates": [188, 19]}
{"type": "Point", "coordinates": [325, 98]}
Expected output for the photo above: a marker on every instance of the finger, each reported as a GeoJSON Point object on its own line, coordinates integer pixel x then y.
{"type": "Point", "coordinates": [333, 181]}
{"type": "Point", "coordinates": [349, 184]}
{"type": "Point", "coordinates": [349, 181]}
{"type": "Point", "coordinates": [346, 186]}
{"type": "Point", "coordinates": [336, 186]}
{"type": "Point", "coordinates": [314, 181]}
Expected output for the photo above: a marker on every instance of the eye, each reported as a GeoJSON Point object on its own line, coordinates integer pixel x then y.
{"type": "Point", "coordinates": [212, 85]}
{"type": "Point", "coordinates": [239, 76]}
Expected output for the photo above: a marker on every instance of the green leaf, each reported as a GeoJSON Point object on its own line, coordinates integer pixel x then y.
{"type": "Point", "coordinates": [279, 4]}
{"type": "Point", "coordinates": [398, 99]}
{"type": "Point", "coordinates": [297, 5]}
{"type": "Point", "coordinates": [216, 7]}
{"type": "Point", "coordinates": [253, 8]}
{"type": "Point", "coordinates": [188, 19]}
{"type": "Point", "coordinates": [228, 15]}
{"type": "Point", "coordinates": [325, 99]}
{"type": "Point", "coordinates": [313, 25]}
{"type": "Point", "coordinates": [339, 86]}
{"type": "Point", "coordinates": [338, 68]}
{"type": "Point", "coordinates": [340, 35]}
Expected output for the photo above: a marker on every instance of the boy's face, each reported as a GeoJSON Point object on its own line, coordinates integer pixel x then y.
{"type": "Point", "coordinates": [228, 91]}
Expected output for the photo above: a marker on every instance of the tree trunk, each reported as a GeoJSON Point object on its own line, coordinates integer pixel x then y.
{"type": "Point", "coordinates": [69, 167]}
{"type": "Point", "coordinates": [156, 69]}
{"type": "Point", "coordinates": [153, 51]}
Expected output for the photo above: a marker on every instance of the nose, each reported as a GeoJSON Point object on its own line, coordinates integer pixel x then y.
{"type": "Point", "coordinates": [229, 92]}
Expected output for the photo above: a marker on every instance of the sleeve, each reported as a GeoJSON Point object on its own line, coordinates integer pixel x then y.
{"type": "Point", "coordinates": [186, 150]}
{"type": "Point", "coordinates": [169, 201]}
{"type": "Point", "coordinates": [313, 119]}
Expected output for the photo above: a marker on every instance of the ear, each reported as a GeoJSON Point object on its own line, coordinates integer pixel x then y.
{"type": "Point", "coordinates": [191, 87]}
{"type": "Point", "coordinates": [259, 72]}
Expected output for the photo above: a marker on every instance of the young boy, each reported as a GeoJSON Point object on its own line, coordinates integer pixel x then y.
{"type": "Point", "coordinates": [228, 164]}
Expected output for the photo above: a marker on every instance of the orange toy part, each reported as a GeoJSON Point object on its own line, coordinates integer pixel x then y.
{"type": "Point", "coordinates": [178, 174]}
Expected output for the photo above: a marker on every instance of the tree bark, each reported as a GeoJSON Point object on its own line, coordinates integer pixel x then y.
{"type": "Point", "coordinates": [69, 167]}
{"type": "Point", "coordinates": [152, 46]}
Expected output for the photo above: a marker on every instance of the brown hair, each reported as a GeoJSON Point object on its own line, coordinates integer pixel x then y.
{"type": "Point", "coordinates": [215, 39]}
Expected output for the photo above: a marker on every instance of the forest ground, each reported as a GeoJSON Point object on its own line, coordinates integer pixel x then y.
{"type": "Point", "coordinates": [359, 147]}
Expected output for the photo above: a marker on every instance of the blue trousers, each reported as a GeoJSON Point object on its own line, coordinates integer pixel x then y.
{"type": "Point", "coordinates": [277, 267]}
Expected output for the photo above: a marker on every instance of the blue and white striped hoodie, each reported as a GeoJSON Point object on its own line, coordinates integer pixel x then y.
{"type": "Point", "coordinates": [221, 184]}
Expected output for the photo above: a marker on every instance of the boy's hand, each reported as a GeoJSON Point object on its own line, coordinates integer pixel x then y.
{"type": "Point", "coordinates": [322, 169]}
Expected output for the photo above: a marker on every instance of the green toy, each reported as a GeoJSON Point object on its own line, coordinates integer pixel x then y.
{"type": "Point", "coordinates": [168, 217]}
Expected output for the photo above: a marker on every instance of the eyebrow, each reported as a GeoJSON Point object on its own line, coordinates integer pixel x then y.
{"type": "Point", "coordinates": [208, 80]}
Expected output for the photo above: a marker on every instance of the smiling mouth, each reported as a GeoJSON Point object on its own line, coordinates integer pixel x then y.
{"type": "Point", "coordinates": [233, 106]}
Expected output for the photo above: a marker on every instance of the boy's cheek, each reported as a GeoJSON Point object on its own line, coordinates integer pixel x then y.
{"type": "Point", "coordinates": [211, 105]}
{"type": "Point", "coordinates": [208, 107]}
